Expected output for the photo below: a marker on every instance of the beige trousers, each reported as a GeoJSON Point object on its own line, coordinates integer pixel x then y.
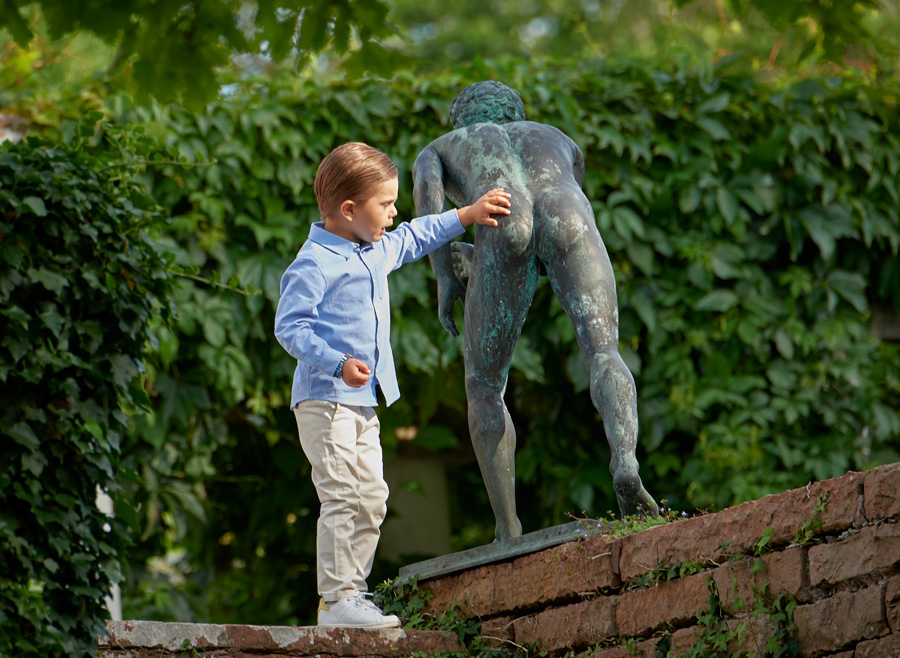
{"type": "Point", "coordinates": [343, 446]}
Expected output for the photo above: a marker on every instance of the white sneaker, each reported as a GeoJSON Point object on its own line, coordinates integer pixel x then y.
{"type": "Point", "coordinates": [355, 611]}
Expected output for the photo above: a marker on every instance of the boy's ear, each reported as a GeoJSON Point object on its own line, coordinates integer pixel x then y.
{"type": "Point", "coordinates": [347, 210]}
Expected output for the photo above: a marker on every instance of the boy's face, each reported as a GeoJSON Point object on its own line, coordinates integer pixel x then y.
{"type": "Point", "coordinates": [372, 217]}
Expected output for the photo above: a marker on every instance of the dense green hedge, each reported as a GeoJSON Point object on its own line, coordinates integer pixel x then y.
{"type": "Point", "coordinates": [78, 286]}
{"type": "Point", "coordinates": [751, 230]}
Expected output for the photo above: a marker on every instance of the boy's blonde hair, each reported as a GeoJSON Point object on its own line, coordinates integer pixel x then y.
{"type": "Point", "coordinates": [351, 171]}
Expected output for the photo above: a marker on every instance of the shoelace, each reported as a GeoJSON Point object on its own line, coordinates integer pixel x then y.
{"type": "Point", "coordinates": [362, 599]}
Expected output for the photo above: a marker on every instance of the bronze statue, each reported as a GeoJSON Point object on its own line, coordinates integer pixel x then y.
{"type": "Point", "coordinates": [551, 228]}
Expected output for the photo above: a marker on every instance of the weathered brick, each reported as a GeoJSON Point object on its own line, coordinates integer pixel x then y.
{"type": "Point", "coordinates": [882, 492]}
{"type": "Point", "coordinates": [472, 591]}
{"type": "Point", "coordinates": [885, 647]}
{"type": "Point", "coordinates": [565, 572]}
{"type": "Point", "coordinates": [561, 573]}
{"type": "Point", "coordinates": [784, 572]}
{"type": "Point", "coordinates": [838, 622]}
{"type": "Point", "coordinates": [498, 631]}
{"type": "Point", "coordinates": [675, 603]}
{"type": "Point", "coordinates": [892, 603]}
{"type": "Point", "coordinates": [683, 639]}
{"type": "Point", "coordinates": [870, 552]}
{"type": "Point", "coordinates": [572, 626]}
{"type": "Point", "coordinates": [737, 529]}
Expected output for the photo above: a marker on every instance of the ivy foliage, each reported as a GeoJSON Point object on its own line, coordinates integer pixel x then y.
{"type": "Point", "coordinates": [752, 229]}
{"type": "Point", "coordinates": [172, 49]}
{"type": "Point", "coordinates": [79, 283]}
{"type": "Point", "coordinates": [829, 27]}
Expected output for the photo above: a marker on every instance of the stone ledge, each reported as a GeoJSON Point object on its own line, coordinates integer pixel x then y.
{"type": "Point", "coordinates": [297, 641]}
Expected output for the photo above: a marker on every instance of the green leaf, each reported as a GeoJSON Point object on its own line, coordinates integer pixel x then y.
{"type": "Point", "coordinates": [689, 200]}
{"type": "Point", "coordinates": [645, 309]}
{"type": "Point", "coordinates": [52, 281]}
{"type": "Point", "coordinates": [714, 128]}
{"type": "Point", "coordinates": [752, 199]}
{"type": "Point", "coordinates": [784, 343]}
{"type": "Point", "coordinates": [780, 375]}
{"type": "Point", "coordinates": [36, 205]}
{"type": "Point", "coordinates": [727, 204]}
{"type": "Point", "coordinates": [124, 369]}
{"type": "Point", "coordinates": [214, 332]}
{"type": "Point", "coordinates": [34, 462]}
{"type": "Point", "coordinates": [54, 321]}
{"type": "Point", "coordinates": [24, 435]}
{"type": "Point", "coordinates": [825, 228]}
{"type": "Point", "coordinates": [715, 104]}
{"type": "Point", "coordinates": [851, 286]}
{"type": "Point", "coordinates": [125, 511]}
{"type": "Point", "coordinates": [717, 300]}
{"type": "Point", "coordinates": [641, 255]}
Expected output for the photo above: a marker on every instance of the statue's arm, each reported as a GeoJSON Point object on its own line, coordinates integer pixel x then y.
{"type": "Point", "coordinates": [578, 165]}
{"type": "Point", "coordinates": [428, 194]}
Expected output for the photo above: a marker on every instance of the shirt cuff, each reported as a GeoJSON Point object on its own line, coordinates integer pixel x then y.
{"type": "Point", "coordinates": [451, 223]}
{"type": "Point", "coordinates": [330, 362]}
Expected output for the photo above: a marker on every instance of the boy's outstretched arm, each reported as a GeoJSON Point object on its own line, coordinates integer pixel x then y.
{"type": "Point", "coordinates": [428, 194]}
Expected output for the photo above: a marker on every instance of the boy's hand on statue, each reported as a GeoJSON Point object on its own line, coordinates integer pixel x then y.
{"type": "Point", "coordinates": [355, 373]}
{"type": "Point", "coordinates": [495, 202]}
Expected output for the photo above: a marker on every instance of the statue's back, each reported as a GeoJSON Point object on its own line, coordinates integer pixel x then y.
{"type": "Point", "coordinates": [523, 156]}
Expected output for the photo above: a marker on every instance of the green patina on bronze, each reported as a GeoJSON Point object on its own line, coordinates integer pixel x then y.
{"type": "Point", "coordinates": [551, 229]}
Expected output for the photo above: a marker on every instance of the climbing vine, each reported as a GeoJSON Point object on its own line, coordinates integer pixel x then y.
{"type": "Point", "coordinates": [79, 285]}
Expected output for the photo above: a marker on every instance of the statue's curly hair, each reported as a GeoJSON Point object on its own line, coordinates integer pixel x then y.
{"type": "Point", "coordinates": [486, 102]}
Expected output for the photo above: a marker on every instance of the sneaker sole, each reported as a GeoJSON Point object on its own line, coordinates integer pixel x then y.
{"type": "Point", "coordinates": [366, 627]}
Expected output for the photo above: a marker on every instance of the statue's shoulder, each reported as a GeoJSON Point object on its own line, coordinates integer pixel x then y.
{"type": "Point", "coordinates": [536, 128]}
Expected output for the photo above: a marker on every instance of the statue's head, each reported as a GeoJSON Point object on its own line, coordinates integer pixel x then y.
{"type": "Point", "coordinates": [486, 102]}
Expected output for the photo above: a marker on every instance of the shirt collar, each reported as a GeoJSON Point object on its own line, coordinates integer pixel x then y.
{"type": "Point", "coordinates": [335, 243]}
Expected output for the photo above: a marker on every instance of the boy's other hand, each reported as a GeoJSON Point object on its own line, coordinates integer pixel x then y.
{"type": "Point", "coordinates": [495, 202]}
{"type": "Point", "coordinates": [355, 373]}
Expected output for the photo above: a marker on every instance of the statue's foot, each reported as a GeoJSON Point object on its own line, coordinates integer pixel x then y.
{"type": "Point", "coordinates": [508, 530]}
{"type": "Point", "coordinates": [463, 256]}
{"type": "Point", "coordinates": [632, 497]}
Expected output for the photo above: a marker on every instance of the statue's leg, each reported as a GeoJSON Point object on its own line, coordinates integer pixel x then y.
{"type": "Point", "coordinates": [581, 274]}
{"type": "Point", "coordinates": [499, 292]}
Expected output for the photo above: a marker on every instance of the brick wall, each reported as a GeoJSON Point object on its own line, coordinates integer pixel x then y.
{"type": "Point", "coordinates": [586, 597]}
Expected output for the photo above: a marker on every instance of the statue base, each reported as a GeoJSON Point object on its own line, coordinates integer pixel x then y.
{"type": "Point", "coordinates": [500, 551]}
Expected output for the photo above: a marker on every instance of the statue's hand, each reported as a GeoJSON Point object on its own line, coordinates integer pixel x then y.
{"type": "Point", "coordinates": [449, 290]}
{"type": "Point", "coordinates": [462, 254]}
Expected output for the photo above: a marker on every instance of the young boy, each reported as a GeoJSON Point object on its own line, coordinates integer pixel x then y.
{"type": "Point", "coordinates": [334, 318]}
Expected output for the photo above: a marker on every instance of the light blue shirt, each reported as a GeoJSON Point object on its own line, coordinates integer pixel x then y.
{"type": "Point", "coordinates": [334, 301]}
